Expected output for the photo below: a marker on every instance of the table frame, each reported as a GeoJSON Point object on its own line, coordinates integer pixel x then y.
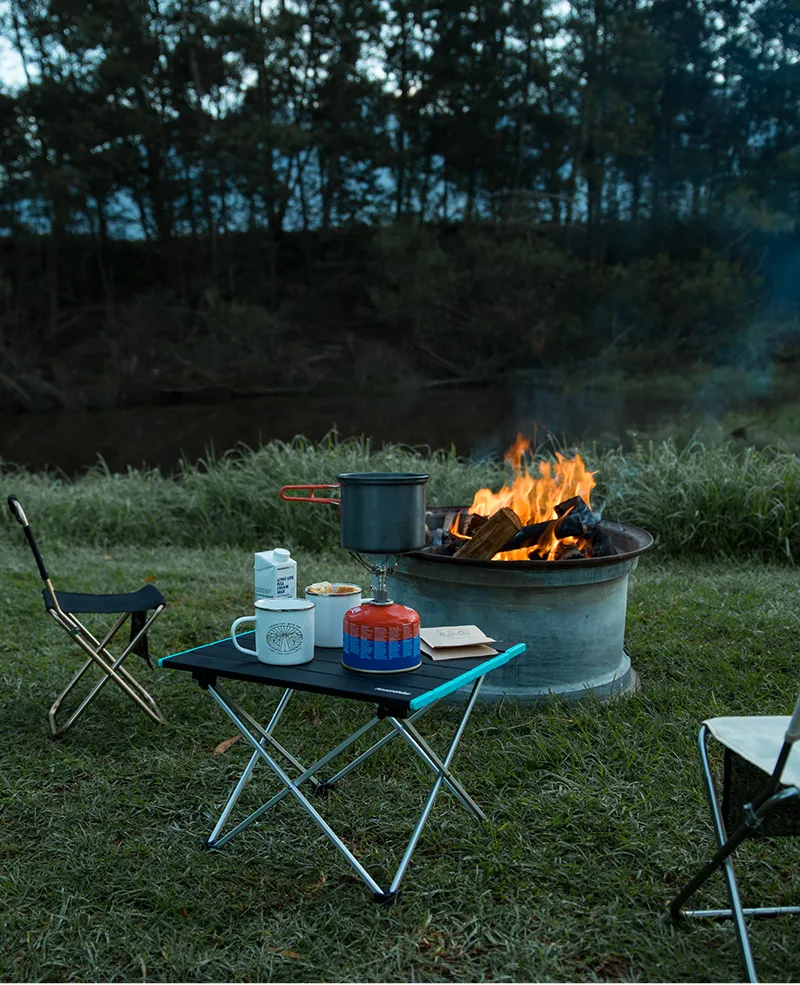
{"type": "Point", "coordinates": [267, 749]}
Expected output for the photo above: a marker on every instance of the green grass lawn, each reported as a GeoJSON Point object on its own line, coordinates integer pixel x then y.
{"type": "Point", "coordinates": [596, 812]}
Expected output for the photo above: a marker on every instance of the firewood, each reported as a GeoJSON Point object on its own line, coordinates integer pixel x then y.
{"type": "Point", "coordinates": [561, 509]}
{"type": "Point", "coordinates": [529, 535]}
{"type": "Point", "coordinates": [471, 523]}
{"type": "Point", "coordinates": [450, 521]}
{"type": "Point", "coordinates": [601, 544]}
{"type": "Point", "coordinates": [465, 524]}
{"type": "Point", "coordinates": [567, 552]}
{"type": "Point", "coordinates": [492, 536]}
{"type": "Point", "coordinates": [574, 519]}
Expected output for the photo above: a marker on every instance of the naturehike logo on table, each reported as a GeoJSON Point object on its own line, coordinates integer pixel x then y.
{"type": "Point", "coordinates": [389, 690]}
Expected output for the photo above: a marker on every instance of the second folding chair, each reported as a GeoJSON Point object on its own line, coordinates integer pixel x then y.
{"type": "Point", "coordinates": [142, 608]}
{"type": "Point", "coordinates": [760, 798]}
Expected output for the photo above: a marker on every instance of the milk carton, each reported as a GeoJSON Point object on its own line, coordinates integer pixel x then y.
{"type": "Point", "coordinates": [275, 574]}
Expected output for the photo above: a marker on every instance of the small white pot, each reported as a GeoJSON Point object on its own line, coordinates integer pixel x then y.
{"type": "Point", "coordinates": [329, 614]}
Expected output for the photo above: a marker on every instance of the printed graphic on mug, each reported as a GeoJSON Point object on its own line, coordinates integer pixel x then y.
{"type": "Point", "coordinates": [284, 637]}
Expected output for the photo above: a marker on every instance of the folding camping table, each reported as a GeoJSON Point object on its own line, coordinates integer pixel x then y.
{"type": "Point", "coordinates": [400, 699]}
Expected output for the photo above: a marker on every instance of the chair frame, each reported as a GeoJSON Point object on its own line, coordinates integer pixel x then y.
{"type": "Point", "coordinates": [96, 649]}
{"type": "Point", "coordinates": [111, 666]}
{"type": "Point", "coordinates": [771, 796]}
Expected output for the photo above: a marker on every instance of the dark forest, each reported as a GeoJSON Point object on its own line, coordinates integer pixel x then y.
{"type": "Point", "coordinates": [220, 198]}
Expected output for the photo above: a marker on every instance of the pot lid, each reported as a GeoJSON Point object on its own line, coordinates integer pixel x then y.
{"type": "Point", "coordinates": [382, 478]}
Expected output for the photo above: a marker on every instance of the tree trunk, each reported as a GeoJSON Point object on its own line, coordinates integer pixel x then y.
{"type": "Point", "coordinates": [400, 149]}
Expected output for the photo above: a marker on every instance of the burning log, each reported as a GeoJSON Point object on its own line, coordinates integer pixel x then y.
{"type": "Point", "coordinates": [574, 519]}
{"type": "Point", "coordinates": [601, 545]}
{"type": "Point", "coordinates": [446, 534]}
{"type": "Point", "coordinates": [449, 529]}
{"type": "Point", "coordinates": [491, 536]}
{"type": "Point", "coordinates": [529, 535]}
{"type": "Point", "coordinates": [471, 523]}
{"type": "Point", "coordinates": [575, 532]}
{"type": "Point", "coordinates": [568, 552]}
{"type": "Point", "coordinates": [576, 515]}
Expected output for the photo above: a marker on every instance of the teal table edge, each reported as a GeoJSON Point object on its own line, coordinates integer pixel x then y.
{"type": "Point", "coordinates": [180, 653]}
{"type": "Point", "coordinates": [469, 675]}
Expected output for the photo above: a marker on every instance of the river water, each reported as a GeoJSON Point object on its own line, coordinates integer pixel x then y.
{"type": "Point", "coordinates": [478, 421]}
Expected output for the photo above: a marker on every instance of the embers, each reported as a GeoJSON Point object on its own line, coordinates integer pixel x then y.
{"type": "Point", "coordinates": [574, 533]}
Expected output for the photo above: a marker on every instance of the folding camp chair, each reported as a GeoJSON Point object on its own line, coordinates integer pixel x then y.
{"type": "Point", "coordinates": [64, 607]}
{"type": "Point", "coordinates": [760, 798]}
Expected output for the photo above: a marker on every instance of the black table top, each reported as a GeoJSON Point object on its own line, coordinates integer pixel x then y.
{"type": "Point", "coordinates": [397, 693]}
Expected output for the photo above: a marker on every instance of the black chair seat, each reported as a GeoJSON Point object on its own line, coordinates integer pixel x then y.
{"type": "Point", "coordinates": [146, 598]}
{"type": "Point", "coordinates": [138, 609]}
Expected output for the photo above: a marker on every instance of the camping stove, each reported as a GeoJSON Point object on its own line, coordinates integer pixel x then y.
{"type": "Point", "coordinates": [382, 517]}
{"type": "Point", "coordinates": [381, 636]}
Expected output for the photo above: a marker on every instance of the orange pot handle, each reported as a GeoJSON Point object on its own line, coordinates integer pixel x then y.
{"type": "Point", "coordinates": [313, 498]}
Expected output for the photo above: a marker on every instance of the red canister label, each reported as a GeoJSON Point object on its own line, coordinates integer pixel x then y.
{"type": "Point", "coordinates": [381, 637]}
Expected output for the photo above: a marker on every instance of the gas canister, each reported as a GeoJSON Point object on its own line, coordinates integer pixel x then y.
{"type": "Point", "coordinates": [381, 638]}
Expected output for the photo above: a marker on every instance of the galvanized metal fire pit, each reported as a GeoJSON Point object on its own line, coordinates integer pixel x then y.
{"type": "Point", "coordinates": [570, 614]}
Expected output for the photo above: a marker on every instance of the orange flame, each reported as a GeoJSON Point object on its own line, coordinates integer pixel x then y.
{"type": "Point", "coordinates": [534, 498]}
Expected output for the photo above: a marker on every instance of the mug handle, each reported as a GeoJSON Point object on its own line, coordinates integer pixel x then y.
{"type": "Point", "coordinates": [234, 627]}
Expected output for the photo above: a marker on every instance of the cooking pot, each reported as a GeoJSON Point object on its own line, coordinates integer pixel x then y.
{"type": "Point", "coordinates": [381, 512]}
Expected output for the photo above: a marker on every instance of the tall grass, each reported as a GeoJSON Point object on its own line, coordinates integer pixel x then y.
{"type": "Point", "coordinates": [714, 501]}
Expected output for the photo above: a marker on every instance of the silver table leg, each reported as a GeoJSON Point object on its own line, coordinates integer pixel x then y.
{"type": "Point", "coordinates": [412, 844]}
{"type": "Point", "coordinates": [229, 706]}
{"type": "Point", "coordinates": [237, 790]}
{"type": "Point", "coordinates": [291, 787]}
{"type": "Point", "coordinates": [374, 748]}
{"type": "Point", "coordinates": [263, 742]}
{"type": "Point", "coordinates": [424, 751]}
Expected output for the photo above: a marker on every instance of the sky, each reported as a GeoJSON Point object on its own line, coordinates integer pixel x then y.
{"type": "Point", "coordinates": [10, 64]}
{"type": "Point", "coordinates": [10, 67]}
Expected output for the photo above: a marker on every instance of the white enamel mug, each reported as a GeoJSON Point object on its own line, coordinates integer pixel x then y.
{"type": "Point", "coordinates": [329, 613]}
{"type": "Point", "coordinates": [284, 631]}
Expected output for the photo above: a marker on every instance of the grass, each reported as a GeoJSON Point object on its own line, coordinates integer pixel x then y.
{"type": "Point", "coordinates": [596, 811]}
{"type": "Point", "coordinates": [717, 500]}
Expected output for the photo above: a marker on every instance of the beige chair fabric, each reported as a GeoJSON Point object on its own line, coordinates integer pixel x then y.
{"type": "Point", "coordinates": [758, 739]}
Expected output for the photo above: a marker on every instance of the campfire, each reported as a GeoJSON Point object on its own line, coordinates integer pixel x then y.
{"type": "Point", "coordinates": [545, 514]}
